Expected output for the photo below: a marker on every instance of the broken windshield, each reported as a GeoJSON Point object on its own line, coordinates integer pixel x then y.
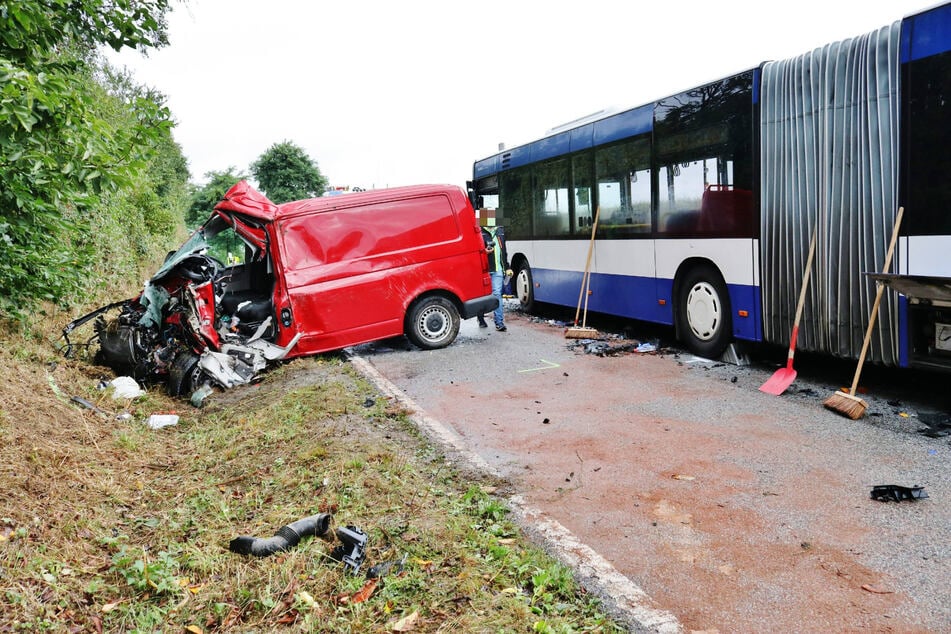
{"type": "Point", "coordinates": [216, 239]}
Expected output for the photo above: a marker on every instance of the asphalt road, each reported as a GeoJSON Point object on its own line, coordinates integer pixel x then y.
{"type": "Point", "coordinates": [683, 494]}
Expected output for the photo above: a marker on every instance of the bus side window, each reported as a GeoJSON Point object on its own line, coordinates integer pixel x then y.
{"type": "Point", "coordinates": [624, 194]}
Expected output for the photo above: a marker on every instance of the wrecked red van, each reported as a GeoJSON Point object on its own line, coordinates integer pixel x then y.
{"type": "Point", "coordinates": [260, 282]}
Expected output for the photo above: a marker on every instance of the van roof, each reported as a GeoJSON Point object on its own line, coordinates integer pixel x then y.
{"type": "Point", "coordinates": [245, 199]}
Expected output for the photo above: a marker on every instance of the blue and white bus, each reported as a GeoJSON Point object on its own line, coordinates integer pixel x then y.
{"type": "Point", "coordinates": [706, 202]}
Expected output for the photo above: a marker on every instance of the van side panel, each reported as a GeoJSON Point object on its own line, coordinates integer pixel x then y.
{"type": "Point", "coordinates": [352, 272]}
{"type": "Point", "coordinates": [368, 230]}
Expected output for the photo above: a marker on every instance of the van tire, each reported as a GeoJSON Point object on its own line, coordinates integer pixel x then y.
{"type": "Point", "coordinates": [184, 375]}
{"type": "Point", "coordinates": [432, 322]}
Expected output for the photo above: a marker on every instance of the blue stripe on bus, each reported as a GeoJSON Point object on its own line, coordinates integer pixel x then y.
{"type": "Point", "coordinates": [926, 34]}
{"type": "Point", "coordinates": [551, 146]}
{"type": "Point", "coordinates": [486, 167]}
{"type": "Point", "coordinates": [582, 138]}
{"type": "Point", "coordinates": [748, 298]}
{"type": "Point", "coordinates": [516, 157]}
{"type": "Point", "coordinates": [624, 124]}
{"type": "Point", "coordinates": [614, 128]}
{"type": "Point", "coordinates": [637, 298]}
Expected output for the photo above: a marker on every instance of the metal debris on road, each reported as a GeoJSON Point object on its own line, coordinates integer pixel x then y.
{"type": "Point", "coordinates": [897, 493]}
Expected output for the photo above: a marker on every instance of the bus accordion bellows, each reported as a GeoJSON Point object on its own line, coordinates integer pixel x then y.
{"type": "Point", "coordinates": [708, 199]}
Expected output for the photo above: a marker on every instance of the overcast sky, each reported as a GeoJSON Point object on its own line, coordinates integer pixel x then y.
{"type": "Point", "coordinates": [383, 93]}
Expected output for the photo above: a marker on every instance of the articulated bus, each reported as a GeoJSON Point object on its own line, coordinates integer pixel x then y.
{"type": "Point", "coordinates": [701, 206]}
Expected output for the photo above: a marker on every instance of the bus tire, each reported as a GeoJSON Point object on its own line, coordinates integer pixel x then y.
{"type": "Point", "coordinates": [524, 287]}
{"type": "Point", "coordinates": [432, 322]}
{"type": "Point", "coordinates": [704, 321]}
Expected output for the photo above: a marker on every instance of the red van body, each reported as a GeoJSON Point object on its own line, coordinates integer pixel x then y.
{"type": "Point", "coordinates": [260, 282]}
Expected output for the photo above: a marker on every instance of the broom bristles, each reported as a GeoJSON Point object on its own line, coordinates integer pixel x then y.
{"type": "Point", "coordinates": [846, 404]}
{"type": "Point", "coordinates": [581, 332]}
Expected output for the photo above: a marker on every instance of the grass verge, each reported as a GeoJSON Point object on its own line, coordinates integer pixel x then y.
{"type": "Point", "coordinates": [112, 526]}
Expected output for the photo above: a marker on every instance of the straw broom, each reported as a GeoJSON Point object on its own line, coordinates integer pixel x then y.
{"type": "Point", "coordinates": [582, 331]}
{"type": "Point", "coordinates": [847, 403]}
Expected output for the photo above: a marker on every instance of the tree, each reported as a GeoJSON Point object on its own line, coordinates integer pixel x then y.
{"type": "Point", "coordinates": [285, 173]}
{"type": "Point", "coordinates": [205, 197]}
{"type": "Point", "coordinates": [59, 148]}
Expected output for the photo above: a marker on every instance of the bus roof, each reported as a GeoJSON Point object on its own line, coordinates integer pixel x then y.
{"type": "Point", "coordinates": [609, 125]}
{"type": "Point", "coordinates": [591, 130]}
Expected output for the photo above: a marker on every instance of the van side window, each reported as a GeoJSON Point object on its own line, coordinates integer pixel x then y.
{"type": "Point", "coordinates": [369, 230]}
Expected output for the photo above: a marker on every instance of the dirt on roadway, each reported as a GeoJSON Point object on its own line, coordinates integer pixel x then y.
{"type": "Point", "coordinates": [734, 510]}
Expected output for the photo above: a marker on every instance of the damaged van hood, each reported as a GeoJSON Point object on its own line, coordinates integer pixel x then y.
{"type": "Point", "coordinates": [205, 316]}
{"type": "Point", "coordinates": [244, 199]}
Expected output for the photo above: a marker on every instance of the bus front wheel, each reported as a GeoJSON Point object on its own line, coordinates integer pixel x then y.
{"type": "Point", "coordinates": [703, 312]}
{"type": "Point", "coordinates": [524, 289]}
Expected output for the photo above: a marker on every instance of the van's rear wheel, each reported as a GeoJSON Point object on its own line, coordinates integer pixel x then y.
{"type": "Point", "coordinates": [433, 322]}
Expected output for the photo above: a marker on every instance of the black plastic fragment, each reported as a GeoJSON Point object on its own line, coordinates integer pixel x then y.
{"type": "Point", "coordinates": [352, 548]}
{"type": "Point", "coordinates": [897, 493]}
{"type": "Point", "coordinates": [284, 539]}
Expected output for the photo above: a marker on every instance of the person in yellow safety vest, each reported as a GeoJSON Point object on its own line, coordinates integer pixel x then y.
{"type": "Point", "coordinates": [498, 269]}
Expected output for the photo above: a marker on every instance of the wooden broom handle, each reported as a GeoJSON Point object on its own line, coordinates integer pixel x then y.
{"type": "Point", "coordinates": [584, 318]}
{"type": "Point", "coordinates": [878, 300]}
{"type": "Point", "coordinates": [587, 265]}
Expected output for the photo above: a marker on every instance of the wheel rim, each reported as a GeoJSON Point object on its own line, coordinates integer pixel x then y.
{"type": "Point", "coordinates": [523, 287]}
{"type": "Point", "coordinates": [703, 311]}
{"type": "Point", "coordinates": [434, 323]}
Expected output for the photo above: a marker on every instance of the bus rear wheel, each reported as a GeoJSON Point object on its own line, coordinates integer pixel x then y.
{"type": "Point", "coordinates": [524, 289]}
{"type": "Point", "coordinates": [704, 323]}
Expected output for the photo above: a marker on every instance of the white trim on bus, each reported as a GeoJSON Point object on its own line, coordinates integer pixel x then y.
{"type": "Point", "coordinates": [737, 258]}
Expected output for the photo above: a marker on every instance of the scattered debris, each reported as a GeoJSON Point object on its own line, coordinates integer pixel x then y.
{"type": "Point", "coordinates": [88, 405]}
{"type": "Point", "coordinates": [352, 548]}
{"type": "Point", "coordinates": [897, 493]}
{"type": "Point", "coordinates": [158, 421]}
{"type": "Point", "coordinates": [285, 538]}
{"type": "Point", "coordinates": [937, 424]}
{"type": "Point", "coordinates": [604, 348]}
{"type": "Point", "coordinates": [382, 569]}
{"type": "Point", "coordinates": [125, 387]}
{"type": "Point", "coordinates": [198, 396]}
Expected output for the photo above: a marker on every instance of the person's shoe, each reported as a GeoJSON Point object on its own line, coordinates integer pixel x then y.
{"type": "Point", "coordinates": [501, 328]}
{"type": "Point", "coordinates": [482, 324]}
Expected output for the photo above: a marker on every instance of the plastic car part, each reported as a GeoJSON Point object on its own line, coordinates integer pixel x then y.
{"type": "Point", "coordinates": [352, 548]}
{"type": "Point", "coordinates": [897, 493]}
{"type": "Point", "coordinates": [285, 538]}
